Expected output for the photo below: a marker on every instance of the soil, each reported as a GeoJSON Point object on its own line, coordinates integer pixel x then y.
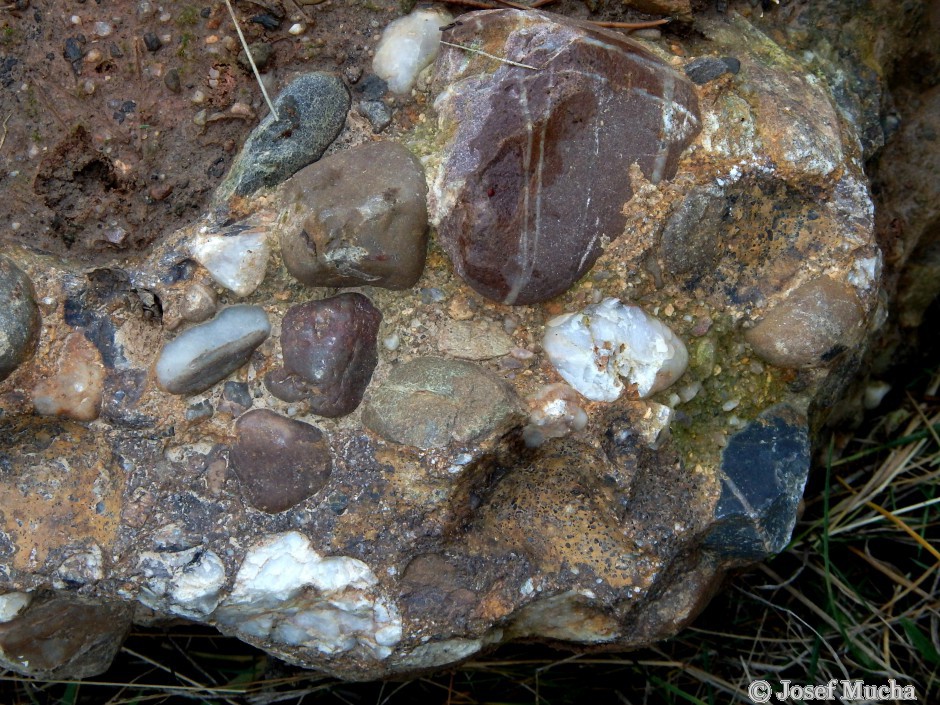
{"type": "Point", "coordinates": [101, 146]}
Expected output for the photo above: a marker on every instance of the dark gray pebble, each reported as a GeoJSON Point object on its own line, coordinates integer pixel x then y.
{"type": "Point", "coordinates": [377, 113]}
{"type": "Point", "coordinates": [19, 317]}
{"type": "Point", "coordinates": [708, 68]}
{"type": "Point", "coordinates": [172, 81]}
{"type": "Point", "coordinates": [152, 42]}
{"type": "Point", "coordinates": [311, 112]}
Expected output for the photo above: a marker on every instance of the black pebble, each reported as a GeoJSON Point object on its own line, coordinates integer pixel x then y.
{"type": "Point", "coordinates": [733, 64]}
{"type": "Point", "coordinates": [707, 68]}
{"type": "Point", "coordinates": [237, 393]}
{"type": "Point", "coordinates": [152, 41]}
{"type": "Point", "coordinates": [267, 21]}
{"type": "Point", "coordinates": [205, 12]}
{"type": "Point", "coordinates": [372, 87]}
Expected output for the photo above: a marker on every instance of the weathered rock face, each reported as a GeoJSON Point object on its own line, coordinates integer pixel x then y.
{"type": "Point", "coordinates": [329, 354]}
{"type": "Point", "coordinates": [535, 167]}
{"type": "Point", "coordinates": [481, 491]}
{"type": "Point", "coordinates": [358, 217]}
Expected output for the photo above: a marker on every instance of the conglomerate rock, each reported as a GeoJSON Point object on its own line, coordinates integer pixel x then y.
{"type": "Point", "coordinates": [474, 497]}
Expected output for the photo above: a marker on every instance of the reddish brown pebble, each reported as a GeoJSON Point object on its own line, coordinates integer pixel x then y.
{"type": "Point", "coordinates": [279, 462]}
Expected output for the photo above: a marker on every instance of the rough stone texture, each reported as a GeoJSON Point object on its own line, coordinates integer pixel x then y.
{"type": "Point", "coordinates": [457, 517]}
{"type": "Point", "coordinates": [19, 317]}
{"type": "Point", "coordinates": [279, 462]}
{"type": "Point", "coordinates": [329, 353]}
{"type": "Point", "coordinates": [763, 472]}
{"type": "Point", "coordinates": [518, 201]}
{"type": "Point", "coordinates": [818, 321]}
{"type": "Point", "coordinates": [311, 111]}
{"type": "Point", "coordinates": [431, 402]}
{"type": "Point", "coordinates": [358, 217]}
{"type": "Point", "coordinates": [64, 638]}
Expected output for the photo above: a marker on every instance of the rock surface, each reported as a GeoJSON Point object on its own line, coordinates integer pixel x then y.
{"type": "Point", "coordinates": [279, 462]}
{"type": "Point", "coordinates": [311, 111]}
{"type": "Point", "coordinates": [357, 217]}
{"type": "Point", "coordinates": [202, 355]}
{"type": "Point", "coordinates": [64, 637]}
{"type": "Point", "coordinates": [19, 317]}
{"type": "Point", "coordinates": [329, 353]}
{"type": "Point", "coordinates": [516, 199]}
{"type": "Point", "coordinates": [431, 402]}
{"type": "Point", "coordinates": [470, 503]}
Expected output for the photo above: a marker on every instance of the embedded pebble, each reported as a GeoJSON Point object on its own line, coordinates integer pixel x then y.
{"type": "Point", "coordinates": [201, 356]}
{"type": "Point", "coordinates": [593, 348]}
{"type": "Point", "coordinates": [473, 340]}
{"type": "Point", "coordinates": [279, 462]}
{"type": "Point", "coordinates": [408, 45]}
{"type": "Point", "coordinates": [75, 390]}
{"type": "Point", "coordinates": [330, 352]}
{"type": "Point", "coordinates": [361, 218]}
{"type": "Point", "coordinates": [536, 165]}
{"type": "Point", "coordinates": [555, 412]}
{"type": "Point", "coordinates": [707, 68]}
{"type": "Point", "coordinates": [198, 304]}
{"type": "Point", "coordinates": [172, 81]}
{"type": "Point", "coordinates": [874, 393]}
{"type": "Point", "coordinates": [237, 262]}
{"type": "Point", "coordinates": [261, 52]}
{"type": "Point", "coordinates": [814, 324]}
{"type": "Point", "coordinates": [20, 321]}
{"type": "Point", "coordinates": [430, 402]}
{"type": "Point", "coordinates": [311, 112]}
{"type": "Point", "coordinates": [377, 113]}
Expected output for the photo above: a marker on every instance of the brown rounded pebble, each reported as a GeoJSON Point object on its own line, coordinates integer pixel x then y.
{"type": "Point", "coordinates": [819, 320]}
{"type": "Point", "coordinates": [279, 462]}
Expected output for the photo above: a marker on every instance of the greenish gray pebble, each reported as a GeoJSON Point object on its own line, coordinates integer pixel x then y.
{"type": "Point", "coordinates": [19, 317]}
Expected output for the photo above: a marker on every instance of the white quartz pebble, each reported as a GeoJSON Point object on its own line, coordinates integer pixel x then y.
{"type": "Point", "coordinates": [408, 45]}
{"type": "Point", "coordinates": [594, 348]}
{"type": "Point", "coordinates": [237, 262]}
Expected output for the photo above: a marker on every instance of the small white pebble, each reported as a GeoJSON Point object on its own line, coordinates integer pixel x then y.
{"type": "Point", "coordinates": [214, 73]}
{"type": "Point", "coordinates": [730, 405]}
{"type": "Point", "coordinates": [198, 97]}
{"type": "Point", "coordinates": [75, 20]}
{"type": "Point", "coordinates": [874, 393]}
{"type": "Point", "coordinates": [200, 118]}
{"type": "Point", "coordinates": [674, 400]}
{"type": "Point", "coordinates": [392, 342]}
{"type": "Point", "coordinates": [296, 29]}
{"type": "Point", "coordinates": [103, 29]}
{"type": "Point", "coordinates": [165, 17]}
{"type": "Point", "coordinates": [15, 226]}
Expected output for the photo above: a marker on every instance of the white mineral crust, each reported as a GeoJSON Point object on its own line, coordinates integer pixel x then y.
{"type": "Point", "coordinates": [408, 45]}
{"type": "Point", "coordinates": [289, 594]}
{"type": "Point", "coordinates": [186, 583]}
{"type": "Point", "coordinates": [593, 348]}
